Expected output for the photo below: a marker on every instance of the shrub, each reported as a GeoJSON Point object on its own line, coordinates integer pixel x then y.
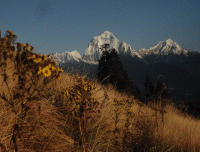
{"type": "Point", "coordinates": [30, 74]}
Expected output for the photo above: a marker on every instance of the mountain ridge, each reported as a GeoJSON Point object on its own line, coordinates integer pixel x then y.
{"type": "Point", "coordinates": [93, 52]}
{"type": "Point", "coordinates": [164, 48]}
{"type": "Point", "coordinates": [66, 56]}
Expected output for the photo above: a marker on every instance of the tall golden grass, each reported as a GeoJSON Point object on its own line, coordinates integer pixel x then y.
{"type": "Point", "coordinates": [48, 130]}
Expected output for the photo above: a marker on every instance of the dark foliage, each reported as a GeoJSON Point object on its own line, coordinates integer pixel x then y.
{"type": "Point", "coordinates": [149, 93]}
{"type": "Point", "coordinates": [111, 70]}
{"type": "Point", "coordinates": [162, 93]}
{"type": "Point", "coordinates": [134, 90]}
{"type": "Point", "coordinates": [103, 68]}
{"type": "Point", "coordinates": [158, 94]}
{"type": "Point", "coordinates": [194, 108]}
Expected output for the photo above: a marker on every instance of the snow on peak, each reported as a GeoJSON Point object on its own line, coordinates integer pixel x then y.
{"type": "Point", "coordinates": [75, 54]}
{"type": "Point", "coordinates": [162, 48]}
{"type": "Point", "coordinates": [169, 41]}
{"type": "Point", "coordinates": [106, 32]}
{"type": "Point", "coordinates": [107, 35]}
{"type": "Point", "coordinates": [93, 52]}
{"type": "Point", "coordinates": [66, 56]}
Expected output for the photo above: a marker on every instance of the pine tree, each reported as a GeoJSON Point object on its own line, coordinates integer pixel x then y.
{"type": "Point", "coordinates": [162, 94]}
{"type": "Point", "coordinates": [194, 108]}
{"type": "Point", "coordinates": [103, 69]}
{"type": "Point", "coordinates": [111, 70]}
{"type": "Point", "coordinates": [134, 90]}
{"type": "Point", "coordinates": [117, 71]}
{"type": "Point", "coordinates": [149, 93]}
{"type": "Point", "coordinates": [158, 90]}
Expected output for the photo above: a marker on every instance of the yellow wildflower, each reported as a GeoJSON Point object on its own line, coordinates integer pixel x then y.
{"type": "Point", "coordinates": [37, 60]}
{"type": "Point", "coordinates": [28, 48]}
{"type": "Point", "coordinates": [67, 93]}
{"type": "Point", "coordinates": [51, 67]}
{"type": "Point", "coordinates": [85, 88]}
{"type": "Point", "coordinates": [44, 57]}
{"type": "Point", "coordinates": [32, 57]}
{"type": "Point", "coordinates": [78, 92]}
{"type": "Point", "coordinates": [46, 71]}
{"type": "Point", "coordinates": [93, 86]}
{"type": "Point", "coordinates": [40, 70]}
{"type": "Point", "coordinates": [59, 69]}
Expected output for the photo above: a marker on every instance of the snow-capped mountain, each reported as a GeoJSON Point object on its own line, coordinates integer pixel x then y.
{"type": "Point", "coordinates": [93, 52]}
{"type": "Point", "coordinates": [163, 48]}
{"type": "Point", "coordinates": [65, 57]}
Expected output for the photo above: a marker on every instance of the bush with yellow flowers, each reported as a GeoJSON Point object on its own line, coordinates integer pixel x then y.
{"type": "Point", "coordinates": [30, 73]}
{"type": "Point", "coordinates": [79, 97]}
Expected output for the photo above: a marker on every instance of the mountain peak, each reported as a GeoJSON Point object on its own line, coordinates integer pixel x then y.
{"type": "Point", "coordinates": [74, 52]}
{"type": "Point", "coordinates": [66, 56]}
{"type": "Point", "coordinates": [107, 35]}
{"type": "Point", "coordinates": [162, 48]}
{"type": "Point", "coordinates": [93, 52]}
{"type": "Point", "coordinates": [169, 41]}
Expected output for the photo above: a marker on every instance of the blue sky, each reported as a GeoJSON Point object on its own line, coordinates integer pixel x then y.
{"type": "Point", "coordinates": [52, 26]}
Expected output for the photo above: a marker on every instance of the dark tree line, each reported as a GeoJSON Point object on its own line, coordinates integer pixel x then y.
{"type": "Point", "coordinates": [194, 108]}
{"type": "Point", "coordinates": [159, 94]}
{"type": "Point", "coordinates": [111, 70]}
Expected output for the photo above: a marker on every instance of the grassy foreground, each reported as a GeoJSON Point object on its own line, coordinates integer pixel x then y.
{"type": "Point", "coordinates": [39, 112]}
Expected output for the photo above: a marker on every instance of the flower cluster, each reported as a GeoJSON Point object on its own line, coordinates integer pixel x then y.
{"type": "Point", "coordinates": [34, 63]}
{"type": "Point", "coordinates": [30, 72]}
{"type": "Point", "coordinates": [83, 105]}
{"type": "Point", "coordinates": [29, 68]}
{"type": "Point", "coordinates": [81, 89]}
{"type": "Point", "coordinates": [45, 66]}
{"type": "Point", "coordinates": [48, 69]}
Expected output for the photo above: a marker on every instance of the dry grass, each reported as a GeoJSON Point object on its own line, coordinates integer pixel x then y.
{"type": "Point", "coordinates": [48, 125]}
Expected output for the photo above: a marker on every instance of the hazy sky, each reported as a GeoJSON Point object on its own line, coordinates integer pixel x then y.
{"type": "Point", "coordinates": [52, 26]}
